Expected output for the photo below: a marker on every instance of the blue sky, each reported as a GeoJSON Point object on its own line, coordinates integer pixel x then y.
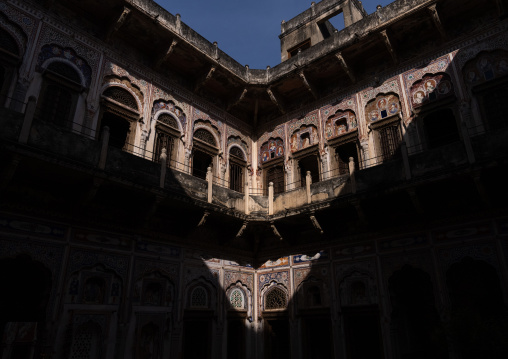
{"type": "Point", "coordinates": [246, 30]}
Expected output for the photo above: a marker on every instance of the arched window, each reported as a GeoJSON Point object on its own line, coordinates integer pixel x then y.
{"type": "Point", "coordinates": [59, 94]}
{"type": "Point", "coordinates": [275, 299]}
{"type": "Point", "coordinates": [205, 149]}
{"type": "Point", "coordinates": [199, 298]}
{"type": "Point", "coordinates": [166, 135]}
{"type": "Point", "coordinates": [382, 115]}
{"type": "Point", "coordinates": [486, 77]}
{"type": "Point", "coordinates": [236, 299]}
{"type": "Point", "coordinates": [304, 146]}
{"type": "Point", "coordinates": [205, 136]}
{"type": "Point", "coordinates": [237, 164]}
{"type": "Point", "coordinates": [120, 113]}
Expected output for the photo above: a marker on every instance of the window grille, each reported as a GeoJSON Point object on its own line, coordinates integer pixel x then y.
{"type": "Point", "coordinates": [205, 136]}
{"type": "Point", "coordinates": [199, 298]}
{"type": "Point", "coordinates": [163, 140]}
{"type": "Point", "coordinates": [8, 43]}
{"type": "Point", "coordinates": [168, 120]}
{"type": "Point", "coordinates": [64, 70]}
{"type": "Point", "coordinates": [236, 299]}
{"type": "Point", "coordinates": [276, 175]}
{"type": "Point", "coordinates": [121, 96]}
{"type": "Point", "coordinates": [235, 151]}
{"type": "Point", "coordinates": [275, 299]}
{"type": "Point", "coordinates": [56, 104]}
{"type": "Point", "coordinates": [390, 141]}
{"type": "Point", "coordinates": [236, 177]}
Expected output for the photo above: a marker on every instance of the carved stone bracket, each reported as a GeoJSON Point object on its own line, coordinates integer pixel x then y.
{"type": "Point", "coordinates": [238, 100]}
{"type": "Point", "coordinates": [118, 23]}
{"type": "Point", "coordinates": [201, 82]}
{"type": "Point", "coordinates": [437, 21]}
{"type": "Point", "coordinates": [163, 58]}
{"type": "Point", "coordinates": [240, 232]}
{"type": "Point", "coordinates": [275, 231]}
{"type": "Point", "coordinates": [315, 223]}
{"type": "Point", "coordinates": [276, 101]}
{"type": "Point", "coordinates": [345, 67]}
{"type": "Point", "coordinates": [311, 88]}
{"type": "Point", "coordinates": [389, 47]}
{"type": "Point", "coordinates": [203, 219]}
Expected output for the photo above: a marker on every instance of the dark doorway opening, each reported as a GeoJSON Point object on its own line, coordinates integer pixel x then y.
{"type": "Point", "coordinates": [415, 321]}
{"type": "Point", "coordinates": [317, 338]}
{"type": "Point", "coordinates": [119, 129]}
{"type": "Point", "coordinates": [277, 345]}
{"type": "Point", "coordinates": [196, 339]}
{"type": "Point", "coordinates": [236, 339]}
{"type": "Point", "coordinates": [309, 163]}
{"type": "Point", "coordinates": [26, 287]}
{"type": "Point", "coordinates": [342, 153]}
{"type": "Point", "coordinates": [363, 332]}
{"type": "Point", "coordinates": [479, 320]}
{"type": "Point", "coordinates": [200, 163]}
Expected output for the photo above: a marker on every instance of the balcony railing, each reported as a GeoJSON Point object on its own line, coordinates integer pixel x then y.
{"type": "Point", "coordinates": [78, 142]}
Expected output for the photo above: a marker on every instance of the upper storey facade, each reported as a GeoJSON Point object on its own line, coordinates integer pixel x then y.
{"type": "Point", "coordinates": [414, 78]}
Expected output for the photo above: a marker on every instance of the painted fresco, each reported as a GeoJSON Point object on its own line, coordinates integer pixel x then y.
{"type": "Point", "coordinates": [354, 250]}
{"type": "Point", "coordinates": [170, 106]}
{"type": "Point", "coordinates": [54, 51]}
{"type": "Point", "coordinates": [431, 88]}
{"type": "Point", "coordinates": [32, 228]}
{"type": "Point", "coordinates": [304, 258]}
{"type": "Point", "coordinates": [306, 136]}
{"type": "Point", "coordinates": [340, 123]}
{"type": "Point", "coordinates": [403, 242]}
{"type": "Point", "coordinates": [284, 261]}
{"type": "Point", "coordinates": [478, 230]}
{"type": "Point", "coordinates": [485, 67]}
{"type": "Point", "coordinates": [383, 106]}
{"type": "Point", "coordinates": [272, 149]}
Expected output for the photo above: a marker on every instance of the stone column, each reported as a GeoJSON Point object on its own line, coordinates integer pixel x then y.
{"type": "Point", "coordinates": [270, 198]}
{"type": "Point", "coordinates": [164, 168]}
{"type": "Point", "coordinates": [209, 179]}
{"type": "Point", "coordinates": [308, 182]}
{"type": "Point", "coordinates": [352, 174]}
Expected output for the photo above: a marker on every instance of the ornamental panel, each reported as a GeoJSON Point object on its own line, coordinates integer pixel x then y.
{"type": "Point", "coordinates": [275, 299]}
